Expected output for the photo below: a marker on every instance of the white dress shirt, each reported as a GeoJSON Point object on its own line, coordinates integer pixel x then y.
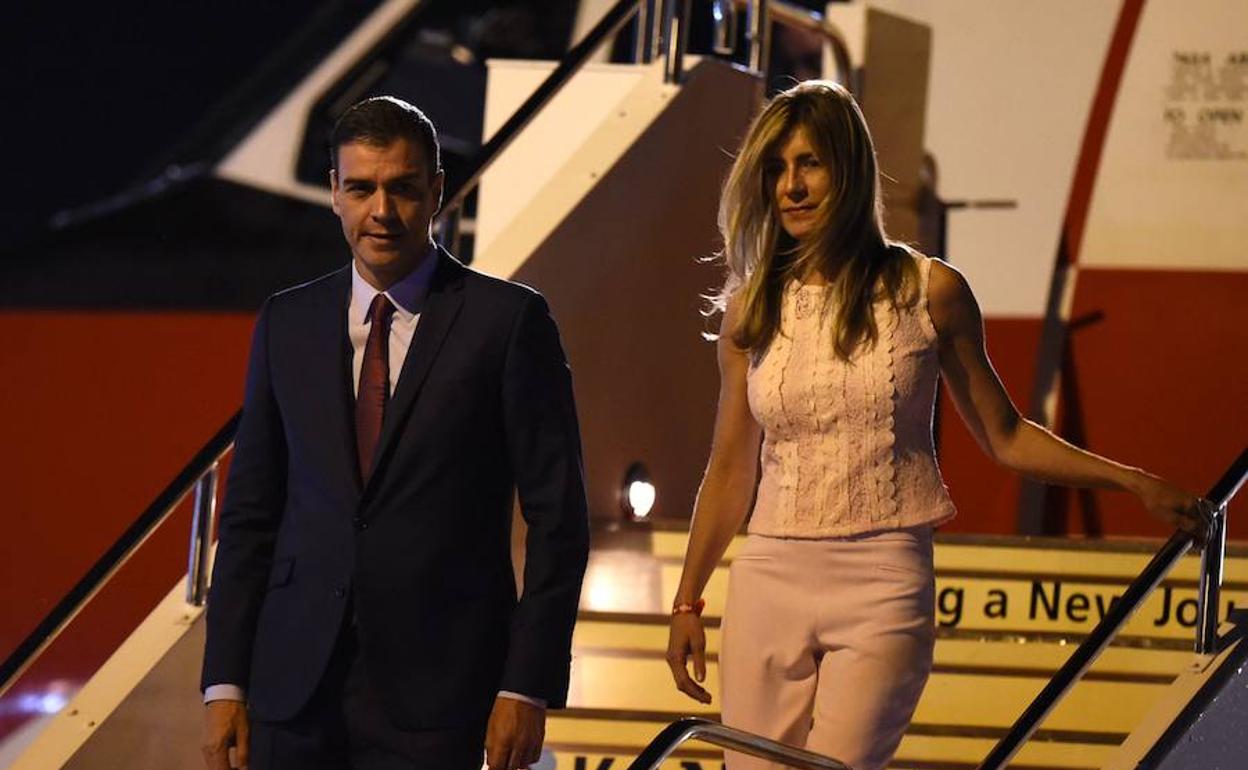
{"type": "Point", "coordinates": [408, 297]}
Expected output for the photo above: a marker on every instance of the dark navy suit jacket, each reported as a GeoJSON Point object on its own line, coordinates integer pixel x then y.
{"type": "Point", "coordinates": [483, 408]}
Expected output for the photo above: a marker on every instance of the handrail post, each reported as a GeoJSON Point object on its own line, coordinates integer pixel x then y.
{"type": "Point", "coordinates": [758, 35]}
{"type": "Point", "coordinates": [654, 29]}
{"type": "Point", "coordinates": [724, 16]}
{"type": "Point", "coordinates": [1211, 564]}
{"type": "Point", "coordinates": [643, 46]}
{"type": "Point", "coordinates": [675, 39]}
{"type": "Point", "coordinates": [201, 537]}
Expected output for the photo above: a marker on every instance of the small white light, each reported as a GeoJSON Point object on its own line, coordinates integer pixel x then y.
{"type": "Point", "coordinates": [641, 498]}
{"type": "Point", "coordinates": [638, 494]}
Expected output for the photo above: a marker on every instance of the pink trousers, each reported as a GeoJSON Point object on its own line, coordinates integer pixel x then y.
{"type": "Point", "coordinates": [827, 643]}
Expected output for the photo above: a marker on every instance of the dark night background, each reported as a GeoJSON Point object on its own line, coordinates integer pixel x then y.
{"type": "Point", "coordinates": [97, 93]}
{"type": "Point", "coordinates": [100, 97]}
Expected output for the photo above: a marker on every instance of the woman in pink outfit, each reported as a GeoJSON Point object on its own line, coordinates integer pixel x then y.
{"type": "Point", "coordinates": [831, 343]}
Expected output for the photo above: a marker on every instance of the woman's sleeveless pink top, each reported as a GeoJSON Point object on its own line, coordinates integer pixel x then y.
{"type": "Point", "coordinates": [847, 446]}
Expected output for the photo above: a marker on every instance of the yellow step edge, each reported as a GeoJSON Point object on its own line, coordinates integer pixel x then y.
{"type": "Point", "coordinates": [952, 699]}
{"type": "Point", "coordinates": [629, 737]}
{"type": "Point", "coordinates": [581, 759]}
{"type": "Point", "coordinates": [1016, 558]}
{"type": "Point", "coordinates": [650, 640]}
{"type": "Point", "coordinates": [1010, 603]}
{"type": "Point", "coordinates": [927, 749]}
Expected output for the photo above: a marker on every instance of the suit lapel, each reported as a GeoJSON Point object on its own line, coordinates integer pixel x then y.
{"type": "Point", "coordinates": [437, 316]}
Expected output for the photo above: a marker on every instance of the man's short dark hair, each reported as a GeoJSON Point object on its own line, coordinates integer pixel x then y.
{"type": "Point", "coordinates": [381, 120]}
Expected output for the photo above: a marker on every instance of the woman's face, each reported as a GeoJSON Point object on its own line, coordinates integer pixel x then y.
{"type": "Point", "coordinates": [800, 184]}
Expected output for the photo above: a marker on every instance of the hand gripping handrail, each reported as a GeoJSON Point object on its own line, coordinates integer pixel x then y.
{"type": "Point", "coordinates": [1120, 612]}
{"type": "Point", "coordinates": [692, 728]}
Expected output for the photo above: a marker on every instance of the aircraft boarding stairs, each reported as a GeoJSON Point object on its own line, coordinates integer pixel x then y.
{"type": "Point", "coordinates": [1010, 612]}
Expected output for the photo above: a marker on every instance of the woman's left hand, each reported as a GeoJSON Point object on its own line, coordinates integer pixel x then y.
{"type": "Point", "coordinates": [1173, 505]}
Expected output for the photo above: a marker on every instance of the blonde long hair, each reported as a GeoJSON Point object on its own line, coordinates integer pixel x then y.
{"type": "Point", "coordinates": [849, 245]}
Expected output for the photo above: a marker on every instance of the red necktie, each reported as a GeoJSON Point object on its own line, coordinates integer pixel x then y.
{"type": "Point", "coordinates": [374, 390]}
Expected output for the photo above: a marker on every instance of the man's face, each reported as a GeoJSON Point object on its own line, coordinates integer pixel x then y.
{"type": "Point", "coordinates": [385, 198]}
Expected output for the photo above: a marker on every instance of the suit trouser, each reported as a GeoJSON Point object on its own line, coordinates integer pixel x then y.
{"type": "Point", "coordinates": [827, 643]}
{"type": "Point", "coordinates": [345, 727]}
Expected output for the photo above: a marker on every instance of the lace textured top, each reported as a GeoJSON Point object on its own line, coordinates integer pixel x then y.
{"type": "Point", "coordinates": [847, 446]}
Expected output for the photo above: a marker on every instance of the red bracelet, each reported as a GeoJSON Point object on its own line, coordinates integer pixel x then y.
{"type": "Point", "coordinates": [685, 609]}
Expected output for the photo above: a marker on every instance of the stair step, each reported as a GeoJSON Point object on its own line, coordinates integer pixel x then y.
{"type": "Point", "coordinates": [1010, 612]}
{"type": "Point", "coordinates": [1016, 587]}
{"type": "Point", "coordinates": [596, 735]}
{"type": "Point", "coordinates": [954, 696]}
{"type": "Point", "coordinates": [646, 636]}
{"type": "Point", "coordinates": [983, 553]}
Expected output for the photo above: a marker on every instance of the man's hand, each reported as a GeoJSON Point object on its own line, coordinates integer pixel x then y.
{"type": "Point", "coordinates": [225, 727]}
{"type": "Point", "coordinates": [513, 738]}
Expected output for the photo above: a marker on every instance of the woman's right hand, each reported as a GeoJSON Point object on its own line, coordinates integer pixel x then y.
{"type": "Point", "coordinates": [721, 506]}
{"type": "Point", "coordinates": [1174, 505]}
{"type": "Point", "coordinates": [686, 638]}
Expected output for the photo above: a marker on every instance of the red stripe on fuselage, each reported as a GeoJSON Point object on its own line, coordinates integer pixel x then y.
{"type": "Point", "coordinates": [1094, 135]}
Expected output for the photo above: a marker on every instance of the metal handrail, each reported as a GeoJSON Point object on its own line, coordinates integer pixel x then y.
{"type": "Point", "coordinates": [1211, 560]}
{"type": "Point", "coordinates": [202, 523]}
{"type": "Point", "coordinates": [166, 502]}
{"type": "Point", "coordinates": [665, 27]}
{"type": "Point", "coordinates": [647, 27]}
{"type": "Point", "coordinates": [675, 39]}
{"type": "Point", "coordinates": [1122, 610]}
{"type": "Point", "coordinates": [692, 728]}
{"type": "Point", "coordinates": [611, 23]}
{"type": "Point", "coordinates": [1208, 595]}
{"type": "Point", "coordinates": [790, 15]}
{"type": "Point", "coordinates": [724, 19]}
{"type": "Point", "coordinates": [758, 35]}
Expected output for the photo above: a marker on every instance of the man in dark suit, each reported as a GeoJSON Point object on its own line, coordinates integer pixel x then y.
{"type": "Point", "coordinates": [363, 604]}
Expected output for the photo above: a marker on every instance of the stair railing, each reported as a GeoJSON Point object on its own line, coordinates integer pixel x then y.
{"type": "Point", "coordinates": [761, 14]}
{"type": "Point", "coordinates": [200, 474]}
{"type": "Point", "coordinates": [611, 23]}
{"type": "Point", "coordinates": [705, 730]}
{"type": "Point", "coordinates": [1120, 612]}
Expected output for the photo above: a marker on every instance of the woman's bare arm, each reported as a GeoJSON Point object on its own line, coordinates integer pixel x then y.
{"type": "Point", "coordinates": [1018, 443]}
{"type": "Point", "coordinates": [722, 504]}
